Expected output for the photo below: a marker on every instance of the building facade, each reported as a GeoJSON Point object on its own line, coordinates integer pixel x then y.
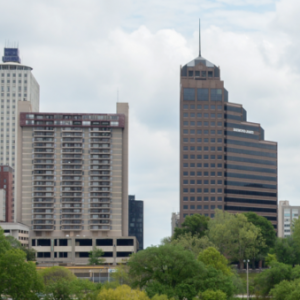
{"type": "Point", "coordinates": [19, 92]}
{"type": "Point", "coordinates": [174, 222]}
{"type": "Point", "coordinates": [286, 214]}
{"type": "Point", "coordinates": [6, 183]}
{"type": "Point", "coordinates": [225, 162]}
{"type": "Point", "coordinates": [74, 180]}
{"type": "Point", "coordinates": [136, 220]}
{"type": "Point", "coordinates": [19, 231]}
{"type": "Point", "coordinates": [2, 205]}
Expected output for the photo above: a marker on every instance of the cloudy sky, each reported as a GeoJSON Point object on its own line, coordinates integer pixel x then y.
{"type": "Point", "coordinates": [83, 52]}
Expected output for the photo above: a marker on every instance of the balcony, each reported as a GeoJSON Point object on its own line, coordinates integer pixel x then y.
{"type": "Point", "coordinates": [99, 227]}
{"type": "Point", "coordinates": [71, 145]}
{"type": "Point", "coordinates": [72, 183]}
{"type": "Point", "coordinates": [49, 167]}
{"type": "Point", "coordinates": [71, 194]}
{"type": "Point", "coordinates": [73, 211]}
{"type": "Point", "coordinates": [43, 211]}
{"type": "Point", "coordinates": [43, 227]}
{"type": "Point", "coordinates": [46, 145]}
{"type": "Point", "coordinates": [44, 195]}
{"type": "Point", "coordinates": [96, 210]}
{"type": "Point", "coordinates": [71, 200]}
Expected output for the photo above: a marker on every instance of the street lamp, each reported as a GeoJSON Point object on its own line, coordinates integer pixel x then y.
{"type": "Point", "coordinates": [247, 261]}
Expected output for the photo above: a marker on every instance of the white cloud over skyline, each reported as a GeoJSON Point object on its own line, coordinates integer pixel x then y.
{"type": "Point", "coordinates": [84, 52]}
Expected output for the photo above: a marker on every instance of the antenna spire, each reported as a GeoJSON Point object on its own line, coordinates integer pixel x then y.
{"type": "Point", "coordinates": [199, 39]}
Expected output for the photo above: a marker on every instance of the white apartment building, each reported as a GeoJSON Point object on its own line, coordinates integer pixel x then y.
{"type": "Point", "coordinates": [286, 215]}
{"type": "Point", "coordinates": [19, 92]}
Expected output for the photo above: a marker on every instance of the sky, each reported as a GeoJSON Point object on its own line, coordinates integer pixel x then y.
{"type": "Point", "coordinates": [87, 55]}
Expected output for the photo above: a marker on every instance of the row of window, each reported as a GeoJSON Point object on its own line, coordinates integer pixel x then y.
{"type": "Point", "coordinates": [12, 75]}
{"type": "Point", "coordinates": [250, 152]}
{"type": "Point", "coordinates": [252, 193]}
{"type": "Point", "coordinates": [199, 131]}
{"type": "Point", "coordinates": [251, 144]}
{"type": "Point", "coordinates": [200, 207]}
{"type": "Point", "coordinates": [199, 148]}
{"type": "Point", "coordinates": [13, 81]}
{"type": "Point", "coordinates": [199, 165]}
{"type": "Point", "coordinates": [248, 168]}
{"type": "Point", "coordinates": [200, 181]}
{"type": "Point", "coordinates": [252, 185]}
{"type": "Point", "coordinates": [13, 95]}
{"type": "Point", "coordinates": [205, 140]}
{"type": "Point", "coordinates": [199, 198]}
{"type": "Point", "coordinates": [250, 176]}
{"type": "Point", "coordinates": [206, 215]}
{"type": "Point", "coordinates": [199, 123]}
{"type": "Point", "coordinates": [200, 106]}
{"type": "Point", "coordinates": [251, 160]}
{"type": "Point", "coordinates": [205, 156]}
{"type": "Point", "coordinates": [250, 201]}
{"type": "Point", "coordinates": [252, 209]}
{"type": "Point", "coordinates": [199, 190]}
{"type": "Point", "coordinates": [242, 135]}
{"type": "Point", "coordinates": [204, 74]}
{"type": "Point", "coordinates": [13, 89]}
{"type": "Point", "coordinates": [199, 173]}
{"type": "Point", "coordinates": [199, 115]}
{"type": "Point", "coordinates": [202, 94]}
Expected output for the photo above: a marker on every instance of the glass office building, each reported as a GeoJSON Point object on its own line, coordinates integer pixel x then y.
{"type": "Point", "coordinates": [225, 162]}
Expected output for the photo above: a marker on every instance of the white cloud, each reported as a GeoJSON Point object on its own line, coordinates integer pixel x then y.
{"type": "Point", "coordinates": [83, 52]}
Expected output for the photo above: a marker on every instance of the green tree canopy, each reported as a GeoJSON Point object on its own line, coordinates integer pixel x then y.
{"type": "Point", "coordinates": [166, 269]}
{"type": "Point", "coordinates": [286, 290]}
{"type": "Point", "coordinates": [95, 257]}
{"type": "Point", "coordinates": [56, 273]}
{"type": "Point", "coordinates": [234, 236]}
{"type": "Point", "coordinates": [196, 225]}
{"type": "Point", "coordinates": [122, 292]}
{"type": "Point", "coordinates": [14, 243]}
{"type": "Point", "coordinates": [267, 279]}
{"type": "Point", "coordinates": [212, 257]}
{"type": "Point", "coordinates": [266, 228]}
{"type": "Point", "coordinates": [193, 243]}
{"type": "Point", "coordinates": [4, 244]}
{"type": "Point", "coordinates": [18, 278]}
{"type": "Point", "coordinates": [213, 295]}
{"type": "Point", "coordinates": [286, 251]}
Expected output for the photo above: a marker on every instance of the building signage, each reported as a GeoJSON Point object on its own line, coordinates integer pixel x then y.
{"type": "Point", "coordinates": [243, 130]}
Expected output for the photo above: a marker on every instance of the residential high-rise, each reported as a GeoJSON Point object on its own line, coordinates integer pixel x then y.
{"type": "Point", "coordinates": [6, 183]}
{"type": "Point", "coordinates": [136, 220]}
{"type": "Point", "coordinates": [74, 182]}
{"type": "Point", "coordinates": [19, 92]}
{"type": "Point", "coordinates": [225, 162]}
{"type": "Point", "coordinates": [286, 215]}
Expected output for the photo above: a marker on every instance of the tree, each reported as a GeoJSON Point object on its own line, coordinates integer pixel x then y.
{"type": "Point", "coordinates": [213, 295]}
{"type": "Point", "coordinates": [212, 257]}
{"type": "Point", "coordinates": [56, 273]}
{"type": "Point", "coordinates": [270, 258]}
{"type": "Point", "coordinates": [193, 243]}
{"type": "Point", "coordinates": [287, 251]}
{"type": "Point", "coordinates": [235, 237]}
{"type": "Point", "coordinates": [122, 292]}
{"type": "Point", "coordinates": [166, 269]}
{"type": "Point", "coordinates": [286, 290]}
{"type": "Point", "coordinates": [267, 279]}
{"type": "Point", "coordinates": [95, 257]}
{"type": "Point", "coordinates": [19, 279]}
{"type": "Point", "coordinates": [4, 244]}
{"type": "Point", "coordinates": [14, 243]}
{"type": "Point", "coordinates": [266, 228]}
{"type": "Point", "coordinates": [195, 224]}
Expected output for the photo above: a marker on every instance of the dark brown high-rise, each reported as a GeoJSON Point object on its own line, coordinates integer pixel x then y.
{"type": "Point", "coordinates": [225, 162]}
{"type": "Point", "coordinates": [6, 183]}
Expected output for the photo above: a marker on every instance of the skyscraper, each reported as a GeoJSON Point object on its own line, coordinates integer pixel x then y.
{"type": "Point", "coordinates": [136, 220]}
{"type": "Point", "coordinates": [225, 162]}
{"type": "Point", "coordinates": [19, 92]}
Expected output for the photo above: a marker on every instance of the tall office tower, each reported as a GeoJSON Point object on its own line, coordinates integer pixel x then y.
{"type": "Point", "coordinates": [75, 183]}
{"type": "Point", "coordinates": [225, 162]}
{"type": "Point", "coordinates": [136, 220]}
{"type": "Point", "coordinates": [6, 183]}
{"type": "Point", "coordinates": [19, 92]}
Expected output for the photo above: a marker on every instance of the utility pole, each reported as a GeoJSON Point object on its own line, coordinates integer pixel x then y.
{"type": "Point", "coordinates": [247, 261]}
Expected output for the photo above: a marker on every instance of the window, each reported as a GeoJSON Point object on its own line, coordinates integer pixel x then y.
{"type": "Point", "coordinates": [191, 73]}
{"type": "Point", "coordinates": [197, 73]}
{"type": "Point", "coordinates": [199, 173]}
{"type": "Point", "coordinates": [205, 206]}
{"type": "Point", "coordinates": [199, 206]}
{"type": "Point", "coordinates": [185, 115]}
{"type": "Point", "coordinates": [192, 123]}
{"type": "Point", "coordinates": [199, 198]}
{"type": "Point", "coordinates": [205, 115]}
{"type": "Point", "coordinates": [210, 74]}
{"type": "Point", "coordinates": [185, 148]}
{"type": "Point", "coordinates": [185, 123]}
{"type": "Point", "coordinates": [185, 190]}
{"type": "Point", "coordinates": [212, 115]}
{"type": "Point", "coordinates": [185, 131]}
{"type": "Point", "coordinates": [199, 181]}
{"type": "Point", "coordinates": [192, 181]}
{"type": "Point", "coordinates": [216, 94]}
{"type": "Point", "coordinates": [192, 207]}
{"type": "Point", "coordinates": [185, 198]}
{"type": "Point", "coordinates": [185, 106]}
{"type": "Point", "coordinates": [185, 182]}
{"type": "Point", "coordinates": [192, 115]}
{"type": "Point", "coordinates": [192, 148]}
{"type": "Point", "coordinates": [199, 131]}
{"type": "Point", "coordinates": [199, 106]}
{"type": "Point", "coordinates": [185, 173]}
{"type": "Point", "coordinates": [185, 206]}
{"type": "Point", "coordinates": [202, 94]}
{"type": "Point", "coordinates": [188, 94]}
{"type": "Point", "coordinates": [192, 173]}
{"type": "Point", "coordinates": [192, 106]}
{"type": "Point", "coordinates": [192, 198]}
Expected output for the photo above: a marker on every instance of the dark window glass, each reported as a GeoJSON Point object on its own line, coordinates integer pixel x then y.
{"type": "Point", "coordinates": [192, 156]}
{"type": "Point", "coordinates": [212, 107]}
{"type": "Point", "coordinates": [185, 173]}
{"type": "Point", "coordinates": [219, 140]}
{"type": "Point", "coordinates": [192, 173]}
{"type": "Point", "coordinates": [199, 123]}
{"type": "Point", "coordinates": [210, 74]}
{"type": "Point", "coordinates": [250, 152]}
{"type": "Point", "coordinates": [251, 185]}
{"type": "Point", "coordinates": [212, 215]}
{"type": "Point", "coordinates": [199, 173]}
{"type": "Point", "coordinates": [199, 148]}
{"type": "Point", "coordinates": [219, 123]}
{"type": "Point", "coordinates": [199, 156]}
{"type": "Point", "coordinates": [205, 190]}
{"type": "Point", "coordinates": [250, 176]}
{"type": "Point", "coordinates": [248, 168]}
{"type": "Point", "coordinates": [185, 181]}
{"type": "Point", "coordinates": [219, 181]}
{"type": "Point", "coordinates": [192, 140]}
{"type": "Point", "coordinates": [205, 206]}
{"type": "Point", "coordinates": [205, 198]}
{"type": "Point", "coordinates": [219, 106]}
{"type": "Point", "coordinates": [192, 123]}
{"type": "Point", "coordinates": [219, 206]}
{"type": "Point", "coordinates": [192, 190]}
{"type": "Point", "coordinates": [192, 198]}
{"type": "Point", "coordinates": [213, 165]}
{"type": "Point", "coordinates": [212, 198]}
{"type": "Point", "coordinates": [192, 115]}
{"type": "Point", "coordinates": [197, 73]}
{"type": "Point", "coordinates": [219, 156]}
{"type": "Point", "coordinates": [250, 160]}
{"type": "Point", "coordinates": [206, 131]}
{"type": "Point", "coordinates": [199, 140]}
{"type": "Point", "coordinates": [199, 106]}
{"type": "Point", "coordinates": [242, 208]}
{"type": "Point", "coordinates": [192, 106]}
{"type": "Point", "coordinates": [185, 156]}
{"type": "Point", "coordinates": [206, 107]}
{"type": "Point", "coordinates": [212, 190]}
{"type": "Point", "coordinates": [185, 131]}
{"type": "Point", "coordinates": [199, 198]}
{"type": "Point", "coordinates": [203, 73]}
{"type": "Point", "coordinates": [219, 173]}
{"type": "Point", "coordinates": [205, 115]}
{"type": "Point", "coordinates": [192, 148]}
{"type": "Point", "coordinates": [212, 173]}
{"type": "Point", "coordinates": [202, 94]}
{"type": "Point", "coordinates": [212, 207]}
{"type": "Point", "coordinates": [185, 106]}
{"type": "Point", "coordinates": [237, 192]}
{"type": "Point", "coordinates": [205, 140]}
{"type": "Point", "coordinates": [219, 165]}
{"type": "Point", "coordinates": [252, 201]}
{"type": "Point", "coordinates": [205, 166]}
{"type": "Point", "coordinates": [185, 140]}
{"type": "Point", "coordinates": [213, 123]}
{"type": "Point", "coordinates": [219, 190]}
{"type": "Point", "coordinates": [232, 117]}
{"type": "Point", "coordinates": [185, 198]}
{"type": "Point", "coordinates": [185, 206]}
{"type": "Point", "coordinates": [192, 207]}
{"type": "Point", "coordinates": [199, 131]}
{"type": "Point", "coordinates": [185, 148]}
{"type": "Point", "coordinates": [219, 198]}
{"type": "Point", "coordinates": [205, 181]}
{"type": "Point", "coordinates": [216, 94]}
{"type": "Point", "coordinates": [251, 144]}
{"type": "Point", "coordinates": [213, 132]}
{"type": "Point", "coordinates": [185, 165]}
{"type": "Point", "coordinates": [192, 181]}
{"type": "Point", "coordinates": [219, 131]}
{"type": "Point", "coordinates": [212, 182]}
{"type": "Point", "coordinates": [232, 108]}
{"type": "Point", "coordinates": [205, 156]}
{"type": "Point", "coordinates": [192, 131]}
{"type": "Point", "coordinates": [205, 148]}
{"type": "Point", "coordinates": [212, 156]}
{"type": "Point", "coordinates": [242, 135]}
{"type": "Point", "coordinates": [213, 148]}
{"type": "Point", "coordinates": [191, 73]}
{"type": "Point", "coordinates": [185, 123]}
{"type": "Point", "coordinates": [199, 206]}
{"type": "Point", "coordinates": [188, 94]}
{"type": "Point", "coordinates": [212, 115]}
{"type": "Point", "coordinates": [185, 115]}
{"type": "Point", "coordinates": [199, 165]}
{"type": "Point", "coordinates": [199, 190]}
{"type": "Point", "coordinates": [192, 165]}
{"type": "Point", "coordinates": [185, 190]}
{"type": "Point", "coordinates": [199, 181]}
{"type": "Point", "coordinates": [213, 140]}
